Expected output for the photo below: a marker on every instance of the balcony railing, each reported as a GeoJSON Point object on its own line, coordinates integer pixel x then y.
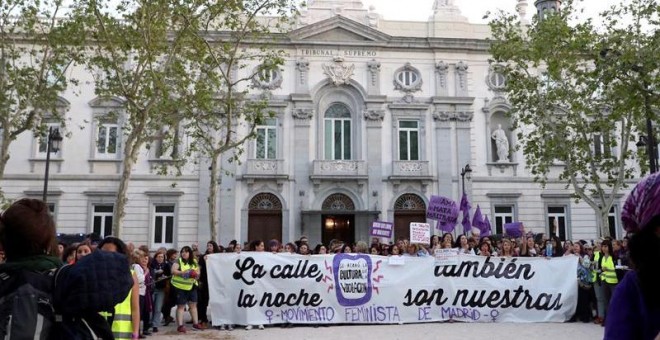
{"type": "Point", "coordinates": [411, 169]}
{"type": "Point", "coordinates": [340, 169]}
{"type": "Point", "coordinates": [265, 168]}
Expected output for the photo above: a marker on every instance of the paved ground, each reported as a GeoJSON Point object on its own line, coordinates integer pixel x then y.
{"type": "Point", "coordinates": [427, 331]}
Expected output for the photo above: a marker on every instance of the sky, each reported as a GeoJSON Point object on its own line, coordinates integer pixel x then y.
{"type": "Point", "coordinates": [474, 10]}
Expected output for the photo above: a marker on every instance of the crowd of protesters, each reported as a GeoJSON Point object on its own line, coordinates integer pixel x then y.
{"type": "Point", "coordinates": [178, 278]}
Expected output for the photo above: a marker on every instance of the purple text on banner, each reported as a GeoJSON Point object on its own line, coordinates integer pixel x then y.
{"type": "Point", "coordinates": [382, 229]}
{"type": "Point", "coordinates": [443, 210]}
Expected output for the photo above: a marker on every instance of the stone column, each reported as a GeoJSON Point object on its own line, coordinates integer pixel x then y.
{"type": "Point", "coordinates": [463, 147]}
{"type": "Point", "coordinates": [302, 120]}
{"type": "Point", "coordinates": [445, 146]}
{"type": "Point", "coordinates": [374, 119]}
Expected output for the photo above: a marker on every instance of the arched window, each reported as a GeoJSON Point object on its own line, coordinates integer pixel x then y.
{"type": "Point", "coordinates": [337, 132]}
{"type": "Point", "coordinates": [409, 202]}
{"type": "Point", "coordinates": [265, 201]}
{"type": "Point", "coordinates": [338, 202]}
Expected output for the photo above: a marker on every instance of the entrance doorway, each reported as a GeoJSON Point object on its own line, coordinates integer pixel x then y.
{"type": "Point", "coordinates": [408, 208]}
{"type": "Point", "coordinates": [338, 219]}
{"type": "Point", "coordinates": [265, 218]}
{"type": "Point", "coordinates": [338, 227]}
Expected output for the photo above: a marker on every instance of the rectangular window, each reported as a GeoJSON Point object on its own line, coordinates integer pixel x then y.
{"type": "Point", "coordinates": [163, 226]}
{"type": "Point", "coordinates": [337, 139]}
{"type": "Point", "coordinates": [107, 140]}
{"type": "Point", "coordinates": [408, 141]}
{"type": "Point", "coordinates": [601, 145]}
{"type": "Point", "coordinates": [42, 143]}
{"type": "Point", "coordinates": [102, 219]}
{"type": "Point", "coordinates": [267, 140]}
{"type": "Point", "coordinates": [557, 224]}
{"type": "Point", "coordinates": [503, 215]}
{"type": "Point", "coordinates": [612, 222]}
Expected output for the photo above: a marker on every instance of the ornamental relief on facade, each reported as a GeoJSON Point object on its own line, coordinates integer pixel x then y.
{"type": "Point", "coordinates": [374, 115]}
{"type": "Point", "coordinates": [267, 79]}
{"type": "Point", "coordinates": [303, 114]}
{"type": "Point", "coordinates": [445, 116]}
{"type": "Point", "coordinates": [338, 72]}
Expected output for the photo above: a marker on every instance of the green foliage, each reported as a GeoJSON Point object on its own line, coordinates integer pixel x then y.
{"type": "Point", "coordinates": [228, 39]}
{"type": "Point", "coordinates": [574, 85]}
{"type": "Point", "coordinates": [39, 42]}
{"type": "Point", "coordinates": [230, 43]}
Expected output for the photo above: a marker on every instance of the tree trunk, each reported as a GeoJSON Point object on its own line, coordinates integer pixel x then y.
{"type": "Point", "coordinates": [603, 222]}
{"type": "Point", "coordinates": [4, 152]}
{"type": "Point", "coordinates": [130, 157]}
{"type": "Point", "coordinates": [213, 198]}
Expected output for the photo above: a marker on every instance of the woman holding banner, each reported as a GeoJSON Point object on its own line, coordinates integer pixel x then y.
{"type": "Point", "coordinates": [635, 306]}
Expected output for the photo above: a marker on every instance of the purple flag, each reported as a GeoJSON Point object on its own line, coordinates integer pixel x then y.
{"type": "Point", "coordinates": [513, 229]}
{"type": "Point", "coordinates": [486, 229]}
{"type": "Point", "coordinates": [465, 209]}
{"type": "Point", "coordinates": [446, 227]}
{"type": "Point", "coordinates": [478, 220]}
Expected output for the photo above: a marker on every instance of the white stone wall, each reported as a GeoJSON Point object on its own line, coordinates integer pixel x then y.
{"type": "Point", "coordinates": [447, 148]}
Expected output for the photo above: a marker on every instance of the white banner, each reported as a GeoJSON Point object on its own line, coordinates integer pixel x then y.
{"type": "Point", "coordinates": [264, 288]}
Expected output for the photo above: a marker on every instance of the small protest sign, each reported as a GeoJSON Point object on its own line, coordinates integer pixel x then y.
{"type": "Point", "coordinates": [446, 257]}
{"type": "Point", "coordinates": [382, 229]}
{"type": "Point", "coordinates": [420, 233]}
{"type": "Point", "coordinates": [443, 210]}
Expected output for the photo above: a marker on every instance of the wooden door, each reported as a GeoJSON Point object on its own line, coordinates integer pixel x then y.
{"type": "Point", "coordinates": [264, 226]}
{"type": "Point", "coordinates": [402, 222]}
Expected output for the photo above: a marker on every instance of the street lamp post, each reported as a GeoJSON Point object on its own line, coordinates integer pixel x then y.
{"type": "Point", "coordinates": [52, 145]}
{"type": "Point", "coordinates": [466, 172]}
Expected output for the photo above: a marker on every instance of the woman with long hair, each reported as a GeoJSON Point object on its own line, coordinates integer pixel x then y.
{"type": "Point", "coordinates": [184, 282]}
{"type": "Point", "coordinates": [608, 279]}
{"type": "Point", "coordinates": [463, 245]}
{"type": "Point", "coordinates": [635, 305]}
{"type": "Point", "coordinates": [211, 248]}
{"type": "Point", "coordinates": [507, 248]}
{"type": "Point", "coordinates": [160, 271]}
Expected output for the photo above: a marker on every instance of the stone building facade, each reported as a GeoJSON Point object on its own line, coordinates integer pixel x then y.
{"type": "Point", "coordinates": [373, 117]}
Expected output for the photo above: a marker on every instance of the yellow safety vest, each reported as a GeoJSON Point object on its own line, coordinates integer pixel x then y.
{"type": "Point", "coordinates": [594, 273]}
{"type": "Point", "coordinates": [181, 283]}
{"type": "Point", "coordinates": [608, 276]}
{"type": "Point", "coordinates": [122, 323]}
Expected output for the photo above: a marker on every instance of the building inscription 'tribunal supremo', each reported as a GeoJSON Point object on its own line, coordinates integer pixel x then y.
{"type": "Point", "coordinates": [306, 52]}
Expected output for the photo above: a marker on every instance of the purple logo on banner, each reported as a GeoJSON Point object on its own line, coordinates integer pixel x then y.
{"type": "Point", "coordinates": [352, 279]}
{"type": "Point", "coordinates": [443, 210]}
{"type": "Point", "coordinates": [382, 229]}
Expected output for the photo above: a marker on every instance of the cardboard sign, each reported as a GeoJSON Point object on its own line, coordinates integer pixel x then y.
{"type": "Point", "coordinates": [381, 229]}
{"type": "Point", "coordinates": [420, 233]}
{"type": "Point", "coordinates": [443, 210]}
{"type": "Point", "coordinates": [446, 257]}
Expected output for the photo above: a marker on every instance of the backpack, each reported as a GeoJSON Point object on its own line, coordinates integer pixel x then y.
{"type": "Point", "coordinates": [27, 310]}
{"type": "Point", "coordinates": [26, 305]}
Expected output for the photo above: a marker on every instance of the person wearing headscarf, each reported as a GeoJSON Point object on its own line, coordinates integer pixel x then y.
{"type": "Point", "coordinates": [635, 305]}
